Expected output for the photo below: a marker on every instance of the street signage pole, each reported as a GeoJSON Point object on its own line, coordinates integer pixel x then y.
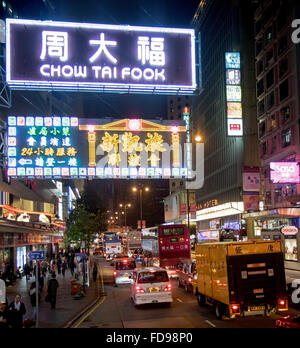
{"type": "Point", "coordinates": [37, 256]}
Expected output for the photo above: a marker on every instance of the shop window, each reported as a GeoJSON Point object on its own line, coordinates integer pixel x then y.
{"type": "Point", "coordinates": [264, 149]}
{"type": "Point", "coordinates": [272, 124]}
{"type": "Point", "coordinates": [259, 46]}
{"type": "Point", "coordinates": [285, 114]}
{"type": "Point", "coordinates": [284, 90]}
{"type": "Point", "coordinates": [262, 129]}
{"type": "Point", "coordinates": [270, 100]}
{"type": "Point", "coordinates": [291, 247]}
{"type": "Point", "coordinates": [286, 138]}
{"type": "Point", "coordinates": [269, 58]}
{"type": "Point", "coordinates": [260, 87]}
{"type": "Point", "coordinates": [261, 107]}
{"type": "Point", "coordinates": [278, 196]}
{"type": "Point", "coordinates": [268, 198]}
{"type": "Point", "coordinates": [283, 44]}
{"type": "Point", "coordinates": [274, 145]}
{"type": "Point", "coordinates": [268, 35]}
{"type": "Point", "coordinates": [270, 78]}
{"type": "Point", "coordinates": [283, 67]}
{"type": "Point", "coordinates": [260, 67]}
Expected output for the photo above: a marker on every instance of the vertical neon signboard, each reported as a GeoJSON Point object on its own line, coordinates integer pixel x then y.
{"type": "Point", "coordinates": [234, 94]}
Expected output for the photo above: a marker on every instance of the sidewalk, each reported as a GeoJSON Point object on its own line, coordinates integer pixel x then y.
{"type": "Point", "coordinates": [66, 307]}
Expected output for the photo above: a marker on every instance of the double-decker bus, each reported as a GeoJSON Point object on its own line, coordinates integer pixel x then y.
{"type": "Point", "coordinates": [171, 243]}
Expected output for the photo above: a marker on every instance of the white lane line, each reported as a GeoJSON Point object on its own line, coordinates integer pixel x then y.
{"type": "Point", "coordinates": [210, 323]}
{"type": "Point", "coordinates": [179, 300]}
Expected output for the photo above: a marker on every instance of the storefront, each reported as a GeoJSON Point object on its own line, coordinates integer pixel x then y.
{"type": "Point", "coordinates": [280, 224]}
{"type": "Point", "coordinates": [221, 222]}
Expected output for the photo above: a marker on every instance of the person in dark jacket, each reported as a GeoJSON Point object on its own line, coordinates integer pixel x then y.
{"type": "Point", "coordinates": [95, 272]}
{"type": "Point", "coordinates": [16, 312]}
{"type": "Point", "coordinates": [32, 294]}
{"type": "Point", "coordinates": [52, 290]}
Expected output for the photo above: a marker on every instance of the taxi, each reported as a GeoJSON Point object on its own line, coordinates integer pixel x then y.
{"type": "Point", "coordinates": [151, 285]}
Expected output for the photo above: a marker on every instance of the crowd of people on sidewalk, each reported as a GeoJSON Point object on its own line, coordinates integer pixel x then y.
{"type": "Point", "coordinates": [12, 314]}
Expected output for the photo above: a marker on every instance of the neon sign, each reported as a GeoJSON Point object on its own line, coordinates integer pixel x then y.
{"type": "Point", "coordinates": [285, 172]}
{"type": "Point", "coordinates": [234, 94]}
{"type": "Point", "coordinates": [62, 147]}
{"type": "Point", "coordinates": [81, 56]}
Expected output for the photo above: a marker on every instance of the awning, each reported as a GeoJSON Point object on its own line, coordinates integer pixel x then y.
{"type": "Point", "coordinates": [282, 213]}
{"type": "Point", "coordinates": [227, 209]}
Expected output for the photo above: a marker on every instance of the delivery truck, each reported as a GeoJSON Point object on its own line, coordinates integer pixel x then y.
{"type": "Point", "coordinates": [241, 278]}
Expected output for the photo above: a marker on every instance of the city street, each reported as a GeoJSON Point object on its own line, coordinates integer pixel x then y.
{"type": "Point", "coordinates": [118, 311]}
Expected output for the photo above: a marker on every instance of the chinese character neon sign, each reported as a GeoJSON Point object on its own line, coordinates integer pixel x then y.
{"type": "Point", "coordinates": [63, 147]}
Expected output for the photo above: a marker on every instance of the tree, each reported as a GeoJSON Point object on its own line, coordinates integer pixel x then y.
{"type": "Point", "coordinates": [85, 221]}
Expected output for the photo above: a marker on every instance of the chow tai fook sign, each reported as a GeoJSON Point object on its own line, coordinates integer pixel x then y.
{"type": "Point", "coordinates": [99, 57]}
{"type": "Point", "coordinates": [285, 172]}
{"type": "Point", "coordinates": [68, 147]}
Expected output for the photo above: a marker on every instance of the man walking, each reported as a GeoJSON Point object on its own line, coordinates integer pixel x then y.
{"type": "Point", "coordinates": [52, 290]}
{"type": "Point", "coordinates": [17, 310]}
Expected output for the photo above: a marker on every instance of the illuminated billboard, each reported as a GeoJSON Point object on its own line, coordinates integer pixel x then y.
{"type": "Point", "coordinates": [99, 57]}
{"type": "Point", "coordinates": [234, 94]}
{"type": "Point", "coordinates": [67, 147]}
{"type": "Point", "coordinates": [285, 172]}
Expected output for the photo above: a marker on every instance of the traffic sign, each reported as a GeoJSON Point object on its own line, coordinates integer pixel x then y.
{"type": "Point", "coordinates": [36, 255]}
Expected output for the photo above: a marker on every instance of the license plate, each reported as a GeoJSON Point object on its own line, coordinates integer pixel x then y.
{"type": "Point", "coordinates": [126, 275]}
{"type": "Point", "coordinates": [153, 289]}
{"type": "Point", "coordinates": [257, 308]}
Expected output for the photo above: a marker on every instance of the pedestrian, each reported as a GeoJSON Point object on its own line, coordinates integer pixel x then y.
{"type": "Point", "coordinates": [52, 290]}
{"type": "Point", "coordinates": [4, 317]}
{"type": "Point", "coordinates": [63, 268]}
{"type": "Point", "coordinates": [95, 272]}
{"type": "Point", "coordinates": [16, 312]}
{"type": "Point", "coordinates": [32, 294]}
{"type": "Point", "coordinates": [72, 266]}
{"type": "Point", "coordinates": [59, 266]}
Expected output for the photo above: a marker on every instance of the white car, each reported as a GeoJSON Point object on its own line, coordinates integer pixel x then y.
{"type": "Point", "coordinates": [151, 285]}
{"type": "Point", "coordinates": [123, 271]}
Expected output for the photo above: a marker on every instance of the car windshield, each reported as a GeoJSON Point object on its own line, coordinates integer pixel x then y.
{"type": "Point", "coordinates": [124, 266]}
{"type": "Point", "coordinates": [153, 277]}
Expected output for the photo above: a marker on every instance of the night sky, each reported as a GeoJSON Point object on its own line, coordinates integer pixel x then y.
{"type": "Point", "coordinates": [158, 13]}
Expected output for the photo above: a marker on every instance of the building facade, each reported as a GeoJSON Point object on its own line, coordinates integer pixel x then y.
{"type": "Point", "coordinates": [278, 111]}
{"type": "Point", "coordinates": [225, 26]}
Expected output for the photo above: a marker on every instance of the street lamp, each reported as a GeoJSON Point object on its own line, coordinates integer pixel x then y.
{"type": "Point", "coordinates": [126, 205]}
{"type": "Point", "coordinates": [141, 188]}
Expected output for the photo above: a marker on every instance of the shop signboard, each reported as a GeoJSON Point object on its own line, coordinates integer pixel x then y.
{"type": "Point", "coordinates": [67, 56]}
{"type": "Point", "coordinates": [289, 230]}
{"type": "Point", "coordinates": [285, 172]}
{"type": "Point", "coordinates": [54, 147]}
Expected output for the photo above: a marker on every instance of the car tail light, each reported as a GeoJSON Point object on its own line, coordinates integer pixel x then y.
{"type": "Point", "coordinates": [190, 279]}
{"type": "Point", "coordinates": [115, 273]}
{"type": "Point", "coordinates": [282, 304]}
{"type": "Point", "coordinates": [139, 290]}
{"type": "Point", "coordinates": [168, 287]}
{"type": "Point", "coordinates": [235, 308]}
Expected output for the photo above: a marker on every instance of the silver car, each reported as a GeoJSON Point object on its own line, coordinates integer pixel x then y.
{"type": "Point", "coordinates": [123, 271]}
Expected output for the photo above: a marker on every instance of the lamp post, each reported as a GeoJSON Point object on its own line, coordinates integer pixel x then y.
{"type": "Point", "coordinates": [126, 205]}
{"type": "Point", "coordinates": [141, 188]}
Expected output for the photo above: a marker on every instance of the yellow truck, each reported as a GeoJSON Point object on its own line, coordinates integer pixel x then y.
{"type": "Point", "coordinates": [241, 278]}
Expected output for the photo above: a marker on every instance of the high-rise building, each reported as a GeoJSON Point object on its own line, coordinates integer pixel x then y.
{"type": "Point", "coordinates": [230, 136]}
{"type": "Point", "coordinates": [278, 111]}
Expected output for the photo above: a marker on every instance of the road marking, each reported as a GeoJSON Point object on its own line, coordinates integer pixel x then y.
{"type": "Point", "coordinates": [96, 306]}
{"type": "Point", "coordinates": [210, 323]}
{"type": "Point", "coordinates": [179, 300]}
